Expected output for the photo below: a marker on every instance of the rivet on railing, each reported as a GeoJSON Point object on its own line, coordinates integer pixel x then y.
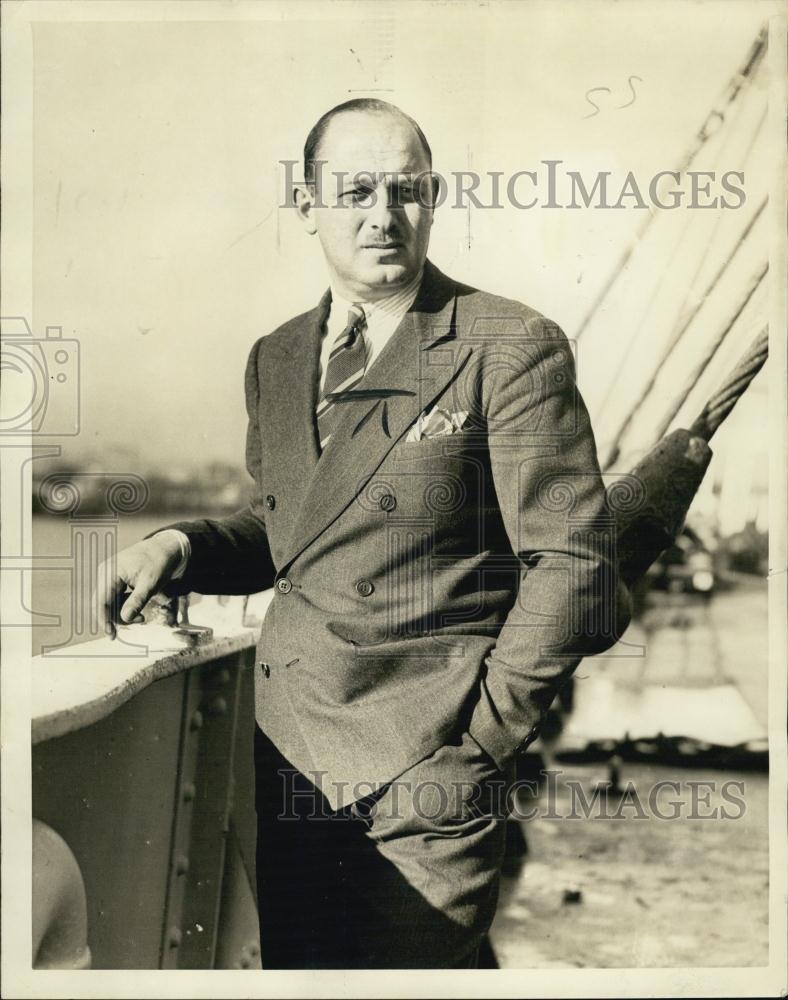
{"type": "Point", "coordinates": [218, 706]}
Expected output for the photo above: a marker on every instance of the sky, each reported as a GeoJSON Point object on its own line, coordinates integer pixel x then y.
{"type": "Point", "coordinates": [158, 242]}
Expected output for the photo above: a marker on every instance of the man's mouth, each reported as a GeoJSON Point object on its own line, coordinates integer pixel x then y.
{"type": "Point", "coordinates": [382, 246]}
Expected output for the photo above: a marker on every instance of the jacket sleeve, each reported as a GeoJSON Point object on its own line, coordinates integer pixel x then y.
{"type": "Point", "coordinates": [552, 500]}
{"type": "Point", "coordinates": [231, 555]}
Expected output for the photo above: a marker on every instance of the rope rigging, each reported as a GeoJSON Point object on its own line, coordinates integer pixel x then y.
{"type": "Point", "coordinates": [731, 390]}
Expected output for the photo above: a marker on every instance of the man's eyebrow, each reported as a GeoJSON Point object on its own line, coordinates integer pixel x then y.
{"type": "Point", "coordinates": [359, 177]}
{"type": "Point", "coordinates": [369, 179]}
{"type": "Point", "coordinates": [406, 174]}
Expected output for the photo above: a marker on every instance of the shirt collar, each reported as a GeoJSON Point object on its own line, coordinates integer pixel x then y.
{"type": "Point", "coordinates": [396, 304]}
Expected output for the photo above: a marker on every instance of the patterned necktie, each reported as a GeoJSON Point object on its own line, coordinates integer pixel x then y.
{"type": "Point", "coordinates": [345, 369]}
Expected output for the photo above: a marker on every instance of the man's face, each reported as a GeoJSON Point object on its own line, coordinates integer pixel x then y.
{"type": "Point", "coordinates": [373, 226]}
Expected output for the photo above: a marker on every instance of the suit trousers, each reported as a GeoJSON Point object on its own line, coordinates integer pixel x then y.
{"type": "Point", "coordinates": [405, 877]}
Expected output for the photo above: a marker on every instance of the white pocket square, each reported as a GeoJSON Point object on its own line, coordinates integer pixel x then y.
{"type": "Point", "coordinates": [436, 423]}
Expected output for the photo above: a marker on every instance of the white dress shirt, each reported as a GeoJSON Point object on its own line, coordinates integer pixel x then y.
{"type": "Point", "coordinates": [382, 319]}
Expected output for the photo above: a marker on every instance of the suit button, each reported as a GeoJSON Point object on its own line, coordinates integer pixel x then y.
{"type": "Point", "coordinates": [388, 502]}
{"type": "Point", "coordinates": [270, 501]}
{"type": "Point", "coordinates": [284, 586]}
{"type": "Point", "coordinates": [364, 587]}
{"type": "Point", "coordinates": [265, 668]}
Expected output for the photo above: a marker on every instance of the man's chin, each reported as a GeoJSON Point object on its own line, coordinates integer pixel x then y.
{"type": "Point", "coordinates": [384, 275]}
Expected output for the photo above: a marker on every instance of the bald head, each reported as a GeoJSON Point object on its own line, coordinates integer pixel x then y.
{"type": "Point", "coordinates": [363, 105]}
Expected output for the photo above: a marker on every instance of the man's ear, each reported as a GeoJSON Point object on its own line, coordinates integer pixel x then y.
{"type": "Point", "coordinates": [304, 197]}
{"type": "Point", "coordinates": [435, 191]}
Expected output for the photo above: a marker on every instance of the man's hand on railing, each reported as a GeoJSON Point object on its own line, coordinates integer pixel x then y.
{"type": "Point", "coordinates": [144, 569]}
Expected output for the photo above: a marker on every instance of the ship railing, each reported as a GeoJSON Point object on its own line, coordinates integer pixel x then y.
{"type": "Point", "coordinates": [143, 793]}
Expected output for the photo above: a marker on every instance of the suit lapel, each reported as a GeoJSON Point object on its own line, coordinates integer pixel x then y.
{"type": "Point", "coordinates": [288, 397]}
{"type": "Point", "coordinates": [402, 382]}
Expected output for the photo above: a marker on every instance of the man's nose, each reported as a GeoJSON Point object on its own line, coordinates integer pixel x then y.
{"type": "Point", "coordinates": [382, 214]}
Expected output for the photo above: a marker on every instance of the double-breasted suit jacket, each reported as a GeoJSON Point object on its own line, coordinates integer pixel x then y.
{"type": "Point", "coordinates": [424, 587]}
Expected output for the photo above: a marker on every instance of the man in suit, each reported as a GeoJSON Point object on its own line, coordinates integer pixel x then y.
{"type": "Point", "coordinates": [429, 511]}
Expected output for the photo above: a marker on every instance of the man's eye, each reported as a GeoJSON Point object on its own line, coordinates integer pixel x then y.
{"type": "Point", "coordinates": [403, 193]}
